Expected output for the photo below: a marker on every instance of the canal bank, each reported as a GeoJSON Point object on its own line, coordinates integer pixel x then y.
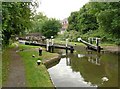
{"type": "Point", "coordinates": [112, 49]}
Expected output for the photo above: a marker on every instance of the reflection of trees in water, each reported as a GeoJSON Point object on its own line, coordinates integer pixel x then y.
{"type": "Point", "coordinates": [94, 73]}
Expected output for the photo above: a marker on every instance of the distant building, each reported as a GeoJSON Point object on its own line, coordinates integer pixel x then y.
{"type": "Point", "coordinates": [64, 23]}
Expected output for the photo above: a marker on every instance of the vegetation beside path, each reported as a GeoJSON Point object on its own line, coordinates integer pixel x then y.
{"type": "Point", "coordinates": [36, 76]}
{"type": "Point", "coordinates": [5, 64]}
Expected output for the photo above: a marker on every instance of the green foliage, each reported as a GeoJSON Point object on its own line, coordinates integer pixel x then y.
{"type": "Point", "coordinates": [69, 35]}
{"type": "Point", "coordinates": [5, 64]}
{"type": "Point", "coordinates": [109, 21]}
{"type": "Point", "coordinates": [16, 19]}
{"type": "Point", "coordinates": [37, 22]}
{"type": "Point", "coordinates": [73, 21]}
{"type": "Point", "coordinates": [51, 28]}
{"type": "Point", "coordinates": [97, 19]}
{"type": "Point", "coordinates": [83, 20]}
{"type": "Point", "coordinates": [117, 42]}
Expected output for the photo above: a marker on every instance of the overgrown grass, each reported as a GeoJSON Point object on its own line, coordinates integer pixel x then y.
{"type": "Point", "coordinates": [36, 76]}
{"type": "Point", "coordinates": [0, 69]}
{"type": "Point", "coordinates": [5, 63]}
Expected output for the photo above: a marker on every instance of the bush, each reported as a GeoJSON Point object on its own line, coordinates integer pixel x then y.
{"type": "Point", "coordinates": [71, 35]}
{"type": "Point", "coordinates": [117, 42]}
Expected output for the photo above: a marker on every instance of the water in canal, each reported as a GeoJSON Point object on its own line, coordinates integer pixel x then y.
{"type": "Point", "coordinates": [83, 69]}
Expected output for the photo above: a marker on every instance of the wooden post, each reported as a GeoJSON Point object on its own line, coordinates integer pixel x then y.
{"type": "Point", "coordinates": [66, 46]}
{"type": "Point", "coordinates": [66, 42]}
{"type": "Point", "coordinates": [98, 49]}
{"type": "Point", "coordinates": [52, 47]}
{"type": "Point", "coordinates": [97, 44]}
{"type": "Point", "coordinates": [66, 50]}
{"type": "Point", "coordinates": [71, 49]}
{"type": "Point", "coordinates": [47, 44]}
{"type": "Point", "coordinates": [97, 41]}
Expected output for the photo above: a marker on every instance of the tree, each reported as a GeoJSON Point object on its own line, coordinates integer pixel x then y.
{"type": "Point", "coordinates": [109, 19]}
{"type": "Point", "coordinates": [51, 28]}
{"type": "Point", "coordinates": [97, 19]}
{"type": "Point", "coordinates": [37, 22]}
{"type": "Point", "coordinates": [73, 21]}
{"type": "Point", "coordinates": [16, 19]}
{"type": "Point", "coordinates": [83, 20]}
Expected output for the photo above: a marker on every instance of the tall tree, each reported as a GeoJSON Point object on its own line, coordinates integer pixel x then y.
{"type": "Point", "coordinates": [37, 22]}
{"type": "Point", "coordinates": [96, 17]}
{"type": "Point", "coordinates": [73, 21]}
{"type": "Point", "coordinates": [51, 28]}
{"type": "Point", "coordinates": [109, 19]}
{"type": "Point", "coordinates": [15, 19]}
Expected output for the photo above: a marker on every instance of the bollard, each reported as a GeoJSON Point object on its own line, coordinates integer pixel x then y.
{"type": "Point", "coordinates": [38, 62]}
{"type": "Point", "coordinates": [71, 49]}
{"type": "Point", "coordinates": [33, 55]}
{"type": "Point", "coordinates": [40, 51]}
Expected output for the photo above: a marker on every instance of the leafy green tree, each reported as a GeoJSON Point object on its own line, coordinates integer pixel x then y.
{"type": "Point", "coordinates": [73, 21]}
{"type": "Point", "coordinates": [97, 19]}
{"type": "Point", "coordinates": [16, 19]}
{"type": "Point", "coordinates": [37, 22]}
{"type": "Point", "coordinates": [83, 20]}
{"type": "Point", "coordinates": [51, 28]}
{"type": "Point", "coordinates": [109, 19]}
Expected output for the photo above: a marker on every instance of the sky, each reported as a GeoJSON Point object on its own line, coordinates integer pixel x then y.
{"type": "Point", "coordinates": [60, 9]}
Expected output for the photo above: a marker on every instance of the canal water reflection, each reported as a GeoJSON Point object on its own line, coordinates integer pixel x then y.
{"type": "Point", "coordinates": [83, 69]}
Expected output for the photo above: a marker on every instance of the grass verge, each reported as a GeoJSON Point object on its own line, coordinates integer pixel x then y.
{"type": "Point", "coordinates": [5, 64]}
{"type": "Point", "coordinates": [0, 69]}
{"type": "Point", "coordinates": [36, 76]}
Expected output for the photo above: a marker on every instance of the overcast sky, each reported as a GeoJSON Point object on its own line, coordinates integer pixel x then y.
{"type": "Point", "coordinates": [60, 9]}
